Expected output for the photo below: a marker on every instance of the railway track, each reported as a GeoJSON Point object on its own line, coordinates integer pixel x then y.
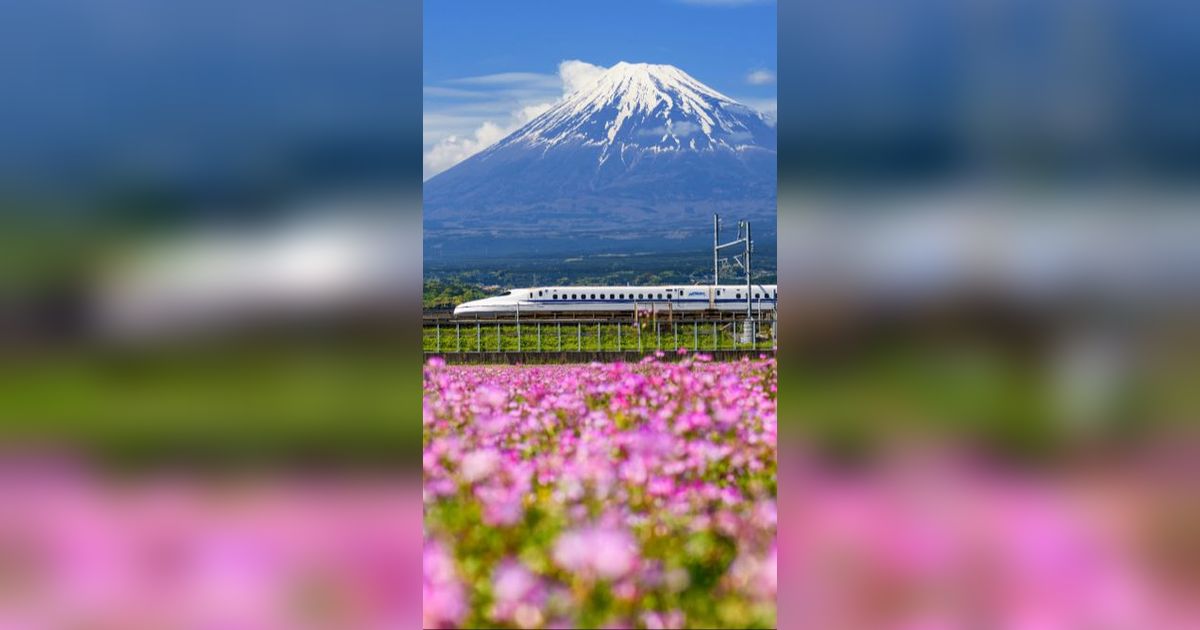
{"type": "Point", "coordinates": [431, 317]}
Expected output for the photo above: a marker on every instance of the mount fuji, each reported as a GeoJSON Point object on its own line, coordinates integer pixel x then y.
{"type": "Point", "coordinates": [643, 153]}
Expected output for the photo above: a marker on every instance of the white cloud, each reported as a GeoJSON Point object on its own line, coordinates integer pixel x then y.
{"type": "Point", "coordinates": [453, 149]}
{"type": "Point", "coordinates": [498, 104]}
{"type": "Point", "coordinates": [762, 76]}
{"type": "Point", "coordinates": [768, 106]}
{"type": "Point", "coordinates": [437, 90]}
{"type": "Point", "coordinates": [576, 74]}
{"type": "Point", "coordinates": [508, 78]}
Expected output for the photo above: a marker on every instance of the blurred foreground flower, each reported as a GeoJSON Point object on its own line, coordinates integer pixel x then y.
{"type": "Point", "coordinates": [79, 552]}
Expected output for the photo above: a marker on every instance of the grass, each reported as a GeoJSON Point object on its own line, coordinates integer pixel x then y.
{"type": "Point", "coordinates": [614, 337]}
{"type": "Point", "coordinates": [222, 405]}
{"type": "Point", "coordinates": [361, 403]}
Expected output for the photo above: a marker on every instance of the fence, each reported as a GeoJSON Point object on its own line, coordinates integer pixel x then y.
{"type": "Point", "coordinates": [596, 335]}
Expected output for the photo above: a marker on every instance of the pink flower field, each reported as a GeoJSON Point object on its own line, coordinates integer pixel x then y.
{"type": "Point", "coordinates": [603, 495]}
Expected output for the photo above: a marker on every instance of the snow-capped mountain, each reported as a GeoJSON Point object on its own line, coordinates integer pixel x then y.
{"type": "Point", "coordinates": [646, 107]}
{"type": "Point", "coordinates": [644, 149]}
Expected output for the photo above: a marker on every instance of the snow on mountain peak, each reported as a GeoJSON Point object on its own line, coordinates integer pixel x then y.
{"type": "Point", "coordinates": [649, 106]}
{"type": "Point", "coordinates": [640, 148]}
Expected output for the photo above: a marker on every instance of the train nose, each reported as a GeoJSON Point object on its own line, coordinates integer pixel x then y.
{"type": "Point", "coordinates": [466, 308]}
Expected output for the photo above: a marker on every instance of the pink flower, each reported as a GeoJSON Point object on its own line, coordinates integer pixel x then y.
{"type": "Point", "coordinates": [634, 471]}
{"type": "Point", "coordinates": [519, 594]}
{"type": "Point", "coordinates": [442, 596]}
{"type": "Point", "coordinates": [667, 449]}
{"type": "Point", "coordinates": [501, 506]}
{"type": "Point", "coordinates": [663, 620]}
{"type": "Point", "coordinates": [512, 582]}
{"type": "Point", "coordinates": [614, 553]}
{"type": "Point", "coordinates": [661, 486]}
{"type": "Point", "coordinates": [480, 464]}
{"type": "Point", "coordinates": [491, 397]}
{"type": "Point", "coordinates": [608, 553]}
{"type": "Point", "coordinates": [767, 577]}
{"type": "Point", "coordinates": [571, 551]}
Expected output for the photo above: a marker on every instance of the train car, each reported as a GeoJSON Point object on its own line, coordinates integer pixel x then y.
{"type": "Point", "coordinates": [609, 299]}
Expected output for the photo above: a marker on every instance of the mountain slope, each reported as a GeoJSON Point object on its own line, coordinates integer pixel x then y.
{"type": "Point", "coordinates": [645, 151]}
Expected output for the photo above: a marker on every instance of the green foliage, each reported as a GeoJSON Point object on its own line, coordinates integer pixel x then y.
{"type": "Point", "coordinates": [444, 293]}
{"type": "Point", "coordinates": [568, 337]}
{"type": "Point", "coordinates": [222, 405]}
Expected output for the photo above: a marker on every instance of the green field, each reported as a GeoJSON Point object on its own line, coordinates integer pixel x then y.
{"type": "Point", "coordinates": [337, 403]}
{"type": "Point", "coordinates": [570, 337]}
{"type": "Point", "coordinates": [358, 403]}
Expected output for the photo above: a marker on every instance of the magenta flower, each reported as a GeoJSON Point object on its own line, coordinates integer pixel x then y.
{"type": "Point", "coordinates": [607, 553]}
{"type": "Point", "coordinates": [479, 465]}
{"type": "Point", "coordinates": [615, 466]}
{"type": "Point", "coordinates": [444, 602]}
{"type": "Point", "coordinates": [519, 595]}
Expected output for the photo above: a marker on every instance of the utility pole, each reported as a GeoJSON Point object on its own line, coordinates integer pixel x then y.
{"type": "Point", "coordinates": [716, 247]}
{"type": "Point", "coordinates": [749, 313]}
{"type": "Point", "coordinates": [743, 239]}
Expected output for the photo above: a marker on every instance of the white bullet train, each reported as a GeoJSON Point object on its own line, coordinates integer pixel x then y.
{"type": "Point", "coordinates": [659, 299]}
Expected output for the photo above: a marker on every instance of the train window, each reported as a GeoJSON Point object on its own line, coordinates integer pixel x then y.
{"type": "Point", "coordinates": [593, 296]}
{"type": "Point", "coordinates": [574, 296]}
{"type": "Point", "coordinates": [737, 296]}
{"type": "Point", "coordinates": [556, 296]}
{"type": "Point", "coordinates": [639, 296]}
{"type": "Point", "coordinates": [756, 296]}
{"type": "Point", "coordinates": [612, 296]}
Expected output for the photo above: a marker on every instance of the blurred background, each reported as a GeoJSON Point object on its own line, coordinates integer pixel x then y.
{"type": "Point", "coordinates": [210, 247]}
{"type": "Point", "coordinates": [210, 263]}
{"type": "Point", "coordinates": [210, 214]}
{"type": "Point", "coordinates": [991, 282]}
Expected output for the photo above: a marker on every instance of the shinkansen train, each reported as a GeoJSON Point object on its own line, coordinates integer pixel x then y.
{"type": "Point", "coordinates": [661, 299]}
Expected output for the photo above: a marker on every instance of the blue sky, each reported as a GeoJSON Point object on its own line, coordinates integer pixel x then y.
{"type": "Point", "coordinates": [490, 66]}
